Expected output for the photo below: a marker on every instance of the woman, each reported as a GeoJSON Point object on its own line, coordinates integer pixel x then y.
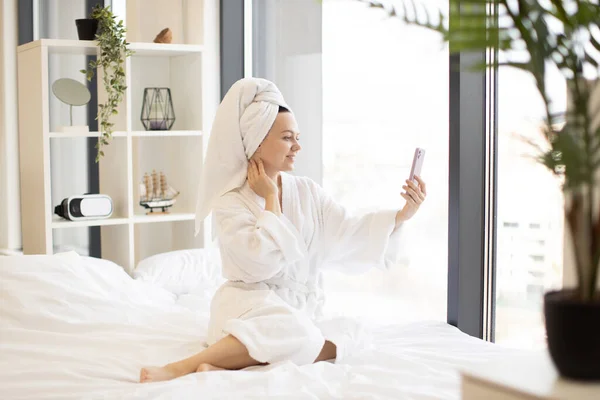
{"type": "Point", "coordinates": [276, 233]}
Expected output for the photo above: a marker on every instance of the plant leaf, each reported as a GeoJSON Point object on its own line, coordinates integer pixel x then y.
{"type": "Point", "coordinates": [594, 41]}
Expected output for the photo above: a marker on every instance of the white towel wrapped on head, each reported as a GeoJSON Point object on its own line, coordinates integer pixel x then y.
{"type": "Point", "coordinates": [241, 123]}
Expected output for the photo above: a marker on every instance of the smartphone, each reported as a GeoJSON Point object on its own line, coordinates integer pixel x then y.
{"type": "Point", "coordinates": [417, 163]}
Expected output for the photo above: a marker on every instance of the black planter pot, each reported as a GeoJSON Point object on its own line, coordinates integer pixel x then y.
{"type": "Point", "coordinates": [86, 28]}
{"type": "Point", "coordinates": [573, 330]}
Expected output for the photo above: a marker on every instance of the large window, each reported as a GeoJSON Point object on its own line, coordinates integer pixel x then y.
{"type": "Point", "coordinates": [367, 89]}
{"type": "Point", "coordinates": [530, 211]}
{"type": "Point", "coordinates": [385, 92]}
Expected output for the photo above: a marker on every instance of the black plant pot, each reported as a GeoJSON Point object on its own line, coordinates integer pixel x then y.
{"type": "Point", "coordinates": [86, 28]}
{"type": "Point", "coordinates": [573, 330]}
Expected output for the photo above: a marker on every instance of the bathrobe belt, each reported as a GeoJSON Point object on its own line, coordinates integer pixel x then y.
{"type": "Point", "coordinates": [279, 283]}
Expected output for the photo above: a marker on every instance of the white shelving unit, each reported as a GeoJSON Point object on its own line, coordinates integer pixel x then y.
{"type": "Point", "coordinates": [129, 235]}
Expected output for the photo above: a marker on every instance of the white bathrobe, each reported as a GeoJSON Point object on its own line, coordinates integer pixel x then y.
{"type": "Point", "coordinates": [273, 299]}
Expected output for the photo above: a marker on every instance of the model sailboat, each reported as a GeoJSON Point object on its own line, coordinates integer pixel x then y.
{"type": "Point", "coordinates": [156, 193]}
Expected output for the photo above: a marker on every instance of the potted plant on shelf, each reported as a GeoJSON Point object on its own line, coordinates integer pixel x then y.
{"type": "Point", "coordinates": [111, 58]}
{"type": "Point", "coordinates": [86, 28]}
{"type": "Point", "coordinates": [566, 35]}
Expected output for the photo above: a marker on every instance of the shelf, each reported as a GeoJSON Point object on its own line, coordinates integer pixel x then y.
{"type": "Point", "coordinates": [165, 49]}
{"type": "Point", "coordinates": [90, 47]}
{"type": "Point", "coordinates": [54, 155]}
{"type": "Point", "coordinates": [182, 76]}
{"type": "Point", "coordinates": [125, 134]}
{"type": "Point", "coordinates": [144, 219]}
{"type": "Point", "coordinates": [62, 46]}
{"type": "Point", "coordinates": [83, 134]}
{"type": "Point", "coordinates": [59, 223]}
{"type": "Point", "coordinates": [165, 133]}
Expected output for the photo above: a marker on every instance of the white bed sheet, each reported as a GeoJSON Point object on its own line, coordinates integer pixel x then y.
{"type": "Point", "coordinates": [74, 330]}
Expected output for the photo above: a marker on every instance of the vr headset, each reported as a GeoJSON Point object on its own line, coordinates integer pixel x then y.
{"type": "Point", "coordinates": [86, 206]}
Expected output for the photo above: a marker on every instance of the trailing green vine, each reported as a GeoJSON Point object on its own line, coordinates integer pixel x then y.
{"type": "Point", "coordinates": [113, 52]}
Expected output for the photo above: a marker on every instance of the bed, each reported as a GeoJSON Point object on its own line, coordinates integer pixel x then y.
{"type": "Point", "coordinates": [74, 327]}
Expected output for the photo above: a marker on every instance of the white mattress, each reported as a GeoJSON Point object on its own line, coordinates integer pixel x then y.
{"type": "Point", "coordinates": [75, 330]}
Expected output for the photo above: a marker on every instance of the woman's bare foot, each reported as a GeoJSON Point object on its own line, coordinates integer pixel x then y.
{"type": "Point", "coordinates": [208, 367]}
{"type": "Point", "coordinates": [157, 374]}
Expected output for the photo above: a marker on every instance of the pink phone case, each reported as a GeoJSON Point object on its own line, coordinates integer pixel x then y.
{"type": "Point", "coordinates": [417, 163]}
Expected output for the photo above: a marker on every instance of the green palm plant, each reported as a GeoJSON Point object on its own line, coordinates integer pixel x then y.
{"type": "Point", "coordinates": [565, 34]}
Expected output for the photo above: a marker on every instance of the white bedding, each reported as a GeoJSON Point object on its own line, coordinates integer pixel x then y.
{"type": "Point", "coordinates": [74, 329]}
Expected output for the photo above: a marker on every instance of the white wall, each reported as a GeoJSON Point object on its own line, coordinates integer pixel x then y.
{"type": "Point", "coordinates": [10, 216]}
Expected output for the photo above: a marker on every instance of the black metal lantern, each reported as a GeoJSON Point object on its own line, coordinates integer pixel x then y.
{"type": "Point", "coordinates": [157, 109]}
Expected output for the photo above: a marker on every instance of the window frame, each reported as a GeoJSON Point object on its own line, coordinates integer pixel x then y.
{"type": "Point", "coordinates": [472, 208]}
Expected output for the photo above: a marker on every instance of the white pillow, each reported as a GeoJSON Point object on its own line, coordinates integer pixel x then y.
{"type": "Point", "coordinates": [182, 271]}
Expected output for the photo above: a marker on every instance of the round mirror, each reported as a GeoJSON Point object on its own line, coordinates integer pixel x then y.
{"type": "Point", "coordinates": [71, 91]}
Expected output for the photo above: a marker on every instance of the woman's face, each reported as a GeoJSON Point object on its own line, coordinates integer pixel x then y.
{"type": "Point", "coordinates": [279, 149]}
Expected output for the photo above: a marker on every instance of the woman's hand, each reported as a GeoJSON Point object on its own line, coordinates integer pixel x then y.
{"type": "Point", "coordinates": [415, 196]}
{"type": "Point", "coordinates": [260, 182]}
